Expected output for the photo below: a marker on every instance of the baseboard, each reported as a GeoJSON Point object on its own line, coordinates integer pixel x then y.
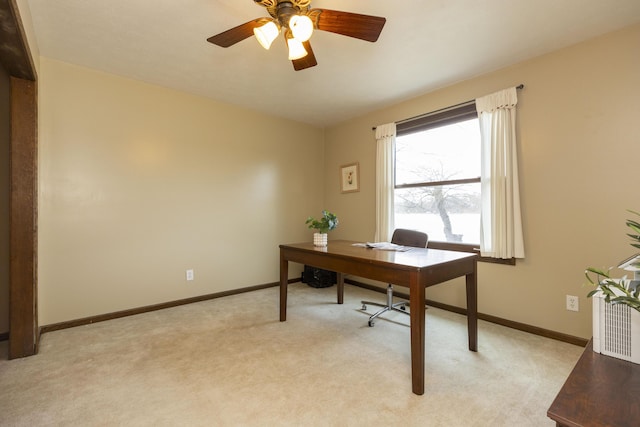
{"type": "Point", "coordinates": [4, 336]}
{"type": "Point", "coordinates": [155, 307]}
{"type": "Point", "coordinates": [486, 317]}
{"type": "Point", "coordinates": [140, 310]}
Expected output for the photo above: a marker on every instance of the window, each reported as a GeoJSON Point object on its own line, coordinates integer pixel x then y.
{"type": "Point", "coordinates": [437, 176]}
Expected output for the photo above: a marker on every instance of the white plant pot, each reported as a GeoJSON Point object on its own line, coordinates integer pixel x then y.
{"type": "Point", "coordinates": [319, 239]}
{"type": "Point", "coordinates": [616, 329]}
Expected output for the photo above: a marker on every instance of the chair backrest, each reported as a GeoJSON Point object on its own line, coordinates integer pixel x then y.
{"type": "Point", "coordinates": [413, 238]}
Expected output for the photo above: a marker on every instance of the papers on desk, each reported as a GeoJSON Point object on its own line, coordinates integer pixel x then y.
{"type": "Point", "coordinates": [383, 246]}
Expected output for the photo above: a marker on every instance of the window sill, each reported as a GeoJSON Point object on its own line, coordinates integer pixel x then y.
{"type": "Point", "coordinates": [465, 247]}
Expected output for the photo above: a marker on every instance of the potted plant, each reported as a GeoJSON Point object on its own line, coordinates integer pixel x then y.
{"type": "Point", "coordinates": [323, 225]}
{"type": "Point", "coordinates": [620, 291]}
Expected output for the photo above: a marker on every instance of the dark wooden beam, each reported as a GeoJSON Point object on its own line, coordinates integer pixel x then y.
{"type": "Point", "coordinates": [14, 50]}
{"type": "Point", "coordinates": [23, 317]}
{"type": "Point", "coordinates": [16, 59]}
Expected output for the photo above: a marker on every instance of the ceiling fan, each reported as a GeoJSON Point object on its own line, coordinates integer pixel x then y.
{"type": "Point", "coordinates": [296, 21]}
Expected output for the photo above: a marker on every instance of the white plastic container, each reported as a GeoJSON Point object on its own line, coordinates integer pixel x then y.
{"type": "Point", "coordinates": [616, 330]}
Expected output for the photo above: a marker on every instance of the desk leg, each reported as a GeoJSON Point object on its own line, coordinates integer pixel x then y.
{"type": "Point", "coordinates": [417, 309]}
{"type": "Point", "coordinates": [340, 280]}
{"type": "Point", "coordinates": [472, 308]}
{"type": "Point", "coordinates": [284, 281]}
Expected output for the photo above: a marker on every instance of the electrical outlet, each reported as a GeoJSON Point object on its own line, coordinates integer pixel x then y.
{"type": "Point", "coordinates": [572, 303]}
{"type": "Point", "coordinates": [189, 274]}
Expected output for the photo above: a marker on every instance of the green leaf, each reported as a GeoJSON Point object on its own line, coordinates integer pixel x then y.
{"type": "Point", "coordinates": [634, 225]}
{"type": "Point", "coordinates": [598, 271]}
{"type": "Point", "coordinates": [328, 222]}
{"type": "Point", "coordinates": [615, 291]}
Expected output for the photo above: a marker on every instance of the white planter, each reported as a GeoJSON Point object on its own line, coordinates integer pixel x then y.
{"type": "Point", "coordinates": [616, 330]}
{"type": "Point", "coordinates": [319, 239]}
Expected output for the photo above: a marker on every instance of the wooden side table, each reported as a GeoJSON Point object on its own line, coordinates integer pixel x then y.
{"type": "Point", "coordinates": [600, 391]}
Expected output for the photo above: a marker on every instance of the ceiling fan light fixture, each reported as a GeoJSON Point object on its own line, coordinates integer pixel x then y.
{"type": "Point", "coordinates": [296, 49]}
{"type": "Point", "coordinates": [266, 34]}
{"type": "Point", "coordinates": [301, 27]}
{"type": "Point", "coordinates": [297, 22]}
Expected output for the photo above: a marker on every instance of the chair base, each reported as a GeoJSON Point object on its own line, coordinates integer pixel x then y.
{"type": "Point", "coordinates": [400, 307]}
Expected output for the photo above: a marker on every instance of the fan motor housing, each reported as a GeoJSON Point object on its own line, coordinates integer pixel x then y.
{"type": "Point", "coordinates": [300, 4]}
{"type": "Point", "coordinates": [283, 10]}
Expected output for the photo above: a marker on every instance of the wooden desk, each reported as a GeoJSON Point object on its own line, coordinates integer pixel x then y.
{"type": "Point", "coordinates": [600, 391]}
{"type": "Point", "coordinates": [416, 268]}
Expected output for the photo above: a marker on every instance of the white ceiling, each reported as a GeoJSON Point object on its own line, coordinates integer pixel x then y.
{"type": "Point", "coordinates": [425, 44]}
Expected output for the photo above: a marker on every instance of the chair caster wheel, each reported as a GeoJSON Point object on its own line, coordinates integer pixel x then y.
{"type": "Point", "coordinates": [370, 324]}
{"type": "Point", "coordinates": [403, 307]}
{"type": "Point", "coordinates": [364, 307]}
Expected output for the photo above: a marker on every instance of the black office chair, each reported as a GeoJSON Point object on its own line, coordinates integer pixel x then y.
{"type": "Point", "coordinates": [400, 237]}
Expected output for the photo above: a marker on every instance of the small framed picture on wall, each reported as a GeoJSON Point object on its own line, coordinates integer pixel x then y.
{"type": "Point", "coordinates": [350, 178]}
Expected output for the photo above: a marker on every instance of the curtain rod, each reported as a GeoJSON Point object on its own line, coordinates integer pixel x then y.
{"type": "Point", "coordinates": [520, 86]}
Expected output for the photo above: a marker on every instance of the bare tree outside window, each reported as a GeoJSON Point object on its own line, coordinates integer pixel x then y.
{"type": "Point", "coordinates": [438, 181]}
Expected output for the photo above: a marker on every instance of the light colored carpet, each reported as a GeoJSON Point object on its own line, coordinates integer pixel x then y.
{"type": "Point", "coordinates": [230, 362]}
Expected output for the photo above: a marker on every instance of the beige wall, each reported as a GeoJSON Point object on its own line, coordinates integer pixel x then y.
{"type": "Point", "coordinates": [579, 139]}
{"type": "Point", "coordinates": [139, 183]}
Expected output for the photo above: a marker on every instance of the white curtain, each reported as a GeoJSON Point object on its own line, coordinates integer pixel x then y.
{"type": "Point", "coordinates": [386, 151]}
{"type": "Point", "coordinates": [501, 223]}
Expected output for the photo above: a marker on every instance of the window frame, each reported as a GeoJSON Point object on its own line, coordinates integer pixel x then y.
{"type": "Point", "coordinates": [443, 117]}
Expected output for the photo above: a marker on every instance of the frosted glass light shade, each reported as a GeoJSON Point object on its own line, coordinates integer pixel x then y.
{"type": "Point", "coordinates": [301, 27]}
{"type": "Point", "coordinates": [266, 34]}
{"type": "Point", "coordinates": [296, 49]}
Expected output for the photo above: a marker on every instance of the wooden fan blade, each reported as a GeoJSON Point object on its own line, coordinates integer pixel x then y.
{"type": "Point", "coordinates": [306, 61]}
{"type": "Point", "coordinates": [363, 27]}
{"type": "Point", "coordinates": [236, 34]}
